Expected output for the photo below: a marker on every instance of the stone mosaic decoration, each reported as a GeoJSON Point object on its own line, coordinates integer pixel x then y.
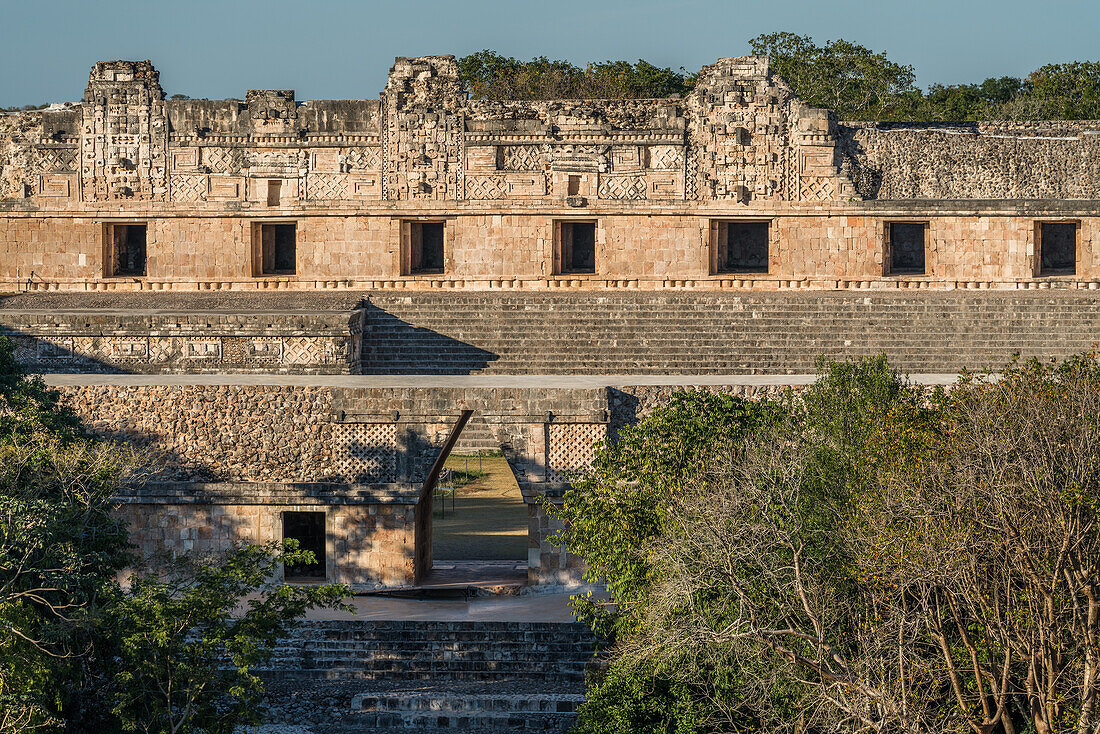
{"type": "Point", "coordinates": [571, 447]}
{"type": "Point", "coordinates": [365, 453]}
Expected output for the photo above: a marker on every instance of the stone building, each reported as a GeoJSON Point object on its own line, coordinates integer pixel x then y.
{"type": "Point", "coordinates": [260, 290]}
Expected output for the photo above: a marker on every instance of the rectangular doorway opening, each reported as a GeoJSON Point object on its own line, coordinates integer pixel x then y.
{"type": "Point", "coordinates": [1057, 248]}
{"type": "Point", "coordinates": [577, 248]}
{"type": "Point", "coordinates": [278, 249]}
{"type": "Point", "coordinates": [128, 250]}
{"type": "Point", "coordinates": [426, 248]}
{"type": "Point", "coordinates": [742, 247]}
{"type": "Point", "coordinates": [308, 528]}
{"type": "Point", "coordinates": [907, 242]}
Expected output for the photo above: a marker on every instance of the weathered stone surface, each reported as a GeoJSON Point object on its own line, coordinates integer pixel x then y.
{"type": "Point", "coordinates": [658, 177]}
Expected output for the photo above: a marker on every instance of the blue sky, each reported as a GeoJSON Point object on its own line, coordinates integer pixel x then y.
{"type": "Point", "coordinates": [342, 48]}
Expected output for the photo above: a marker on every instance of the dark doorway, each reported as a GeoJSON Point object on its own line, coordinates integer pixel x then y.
{"type": "Point", "coordinates": [129, 249]}
{"type": "Point", "coordinates": [308, 528]}
{"type": "Point", "coordinates": [743, 247]}
{"type": "Point", "coordinates": [1057, 248]}
{"type": "Point", "coordinates": [907, 247]}
{"type": "Point", "coordinates": [279, 244]}
{"type": "Point", "coordinates": [426, 247]}
{"type": "Point", "coordinates": [578, 247]}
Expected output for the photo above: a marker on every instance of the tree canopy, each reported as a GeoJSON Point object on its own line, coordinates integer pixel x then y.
{"type": "Point", "coordinates": [868, 556]}
{"type": "Point", "coordinates": [489, 75]}
{"type": "Point", "coordinates": [854, 81]}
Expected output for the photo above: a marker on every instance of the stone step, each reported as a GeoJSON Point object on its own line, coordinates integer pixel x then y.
{"type": "Point", "coordinates": [549, 678]}
{"type": "Point", "coordinates": [397, 702]}
{"type": "Point", "coordinates": [469, 721]}
{"type": "Point", "coordinates": [441, 651]}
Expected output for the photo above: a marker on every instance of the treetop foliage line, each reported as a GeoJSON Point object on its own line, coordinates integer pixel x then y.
{"type": "Point", "coordinates": [868, 556]}
{"type": "Point", "coordinates": [848, 78]}
{"type": "Point", "coordinates": [845, 77]}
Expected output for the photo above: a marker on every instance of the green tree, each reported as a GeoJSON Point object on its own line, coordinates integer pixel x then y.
{"type": "Point", "coordinates": [850, 79]}
{"type": "Point", "coordinates": [614, 511]}
{"type": "Point", "coordinates": [489, 75]}
{"type": "Point", "coordinates": [613, 516]}
{"type": "Point", "coordinates": [890, 558]}
{"type": "Point", "coordinates": [187, 640]}
{"type": "Point", "coordinates": [60, 548]}
{"type": "Point", "coordinates": [1065, 91]}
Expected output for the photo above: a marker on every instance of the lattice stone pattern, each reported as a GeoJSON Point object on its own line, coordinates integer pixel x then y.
{"type": "Point", "coordinates": [365, 453]}
{"type": "Point", "coordinates": [571, 448]}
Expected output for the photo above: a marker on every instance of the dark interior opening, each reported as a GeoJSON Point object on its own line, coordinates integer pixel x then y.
{"type": "Point", "coordinates": [578, 247]}
{"type": "Point", "coordinates": [274, 192]}
{"type": "Point", "coordinates": [279, 249]}
{"type": "Point", "coordinates": [308, 528]}
{"type": "Point", "coordinates": [129, 249]}
{"type": "Point", "coordinates": [742, 247]}
{"type": "Point", "coordinates": [1057, 248]}
{"type": "Point", "coordinates": [907, 245]}
{"type": "Point", "coordinates": [427, 247]}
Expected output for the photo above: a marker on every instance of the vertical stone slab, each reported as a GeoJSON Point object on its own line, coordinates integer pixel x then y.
{"type": "Point", "coordinates": [422, 130]}
{"type": "Point", "coordinates": [124, 136]}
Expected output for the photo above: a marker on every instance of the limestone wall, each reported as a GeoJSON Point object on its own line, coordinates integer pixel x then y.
{"type": "Point", "coordinates": [369, 545]}
{"type": "Point", "coordinates": [655, 175]}
{"type": "Point", "coordinates": [97, 339]}
{"type": "Point", "coordinates": [1057, 160]}
{"type": "Point", "coordinates": [225, 461]}
{"type": "Point", "coordinates": [517, 251]}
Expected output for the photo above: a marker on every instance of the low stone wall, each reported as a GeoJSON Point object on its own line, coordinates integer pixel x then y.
{"type": "Point", "coordinates": [368, 544]}
{"type": "Point", "coordinates": [141, 341]}
{"type": "Point", "coordinates": [227, 460]}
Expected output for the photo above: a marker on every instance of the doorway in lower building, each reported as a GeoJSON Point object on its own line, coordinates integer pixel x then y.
{"type": "Point", "coordinates": [479, 518]}
{"type": "Point", "coordinates": [308, 528]}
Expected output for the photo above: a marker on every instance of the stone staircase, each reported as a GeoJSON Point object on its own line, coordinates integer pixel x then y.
{"type": "Point", "coordinates": [717, 333]}
{"type": "Point", "coordinates": [337, 677]}
{"type": "Point", "coordinates": [477, 438]}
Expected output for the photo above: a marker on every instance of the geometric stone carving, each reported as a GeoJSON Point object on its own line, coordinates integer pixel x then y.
{"type": "Point", "coordinates": [504, 185]}
{"type": "Point", "coordinates": [308, 350]}
{"type": "Point", "coordinates": [51, 349]}
{"type": "Point", "coordinates": [272, 111]}
{"type": "Point", "coordinates": [56, 185]}
{"type": "Point", "coordinates": [521, 158]}
{"type": "Point", "coordinates": [623, 187]}
{"type": "Point", "coordinates": [127, 349]}
{"type": "Point", "coordinates": [365, 453]}
{"type": "Point", "coordinates": [327, 186]}
{"type": "Point", "coordinates": [57, 160]}
{"type": "Point", "coordinates": [571, 448]}
{"type": "Point", "coordinates": [816, 189]}
{"type": "Point", "coordinates": [423, 139]}
{"type": "Point", "coordinates": [188, 186]}
{"type": "Point", "coordinates": [222, 160]}
{"type": "Point", "coordinates": [362, 159]}
{"type": "Point", "coordinates": [666, 157]}
{"type": "Point", "coordinates": [202, 348]}
{"type": "Point", "coordinates": [124, 133]}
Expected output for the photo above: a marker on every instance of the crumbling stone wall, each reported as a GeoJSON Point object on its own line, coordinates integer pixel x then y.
{"type": "Point", "coordinates": [1056, 160]}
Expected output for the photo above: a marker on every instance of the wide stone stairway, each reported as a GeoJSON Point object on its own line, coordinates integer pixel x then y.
{"type": "Point", "coordinates": [342, 676]}
{"type": "Point", "coordinates": [721, 333]}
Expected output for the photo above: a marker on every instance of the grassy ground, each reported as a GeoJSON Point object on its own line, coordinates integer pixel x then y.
{"type": "Point", "coordinates": [488, 521]}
